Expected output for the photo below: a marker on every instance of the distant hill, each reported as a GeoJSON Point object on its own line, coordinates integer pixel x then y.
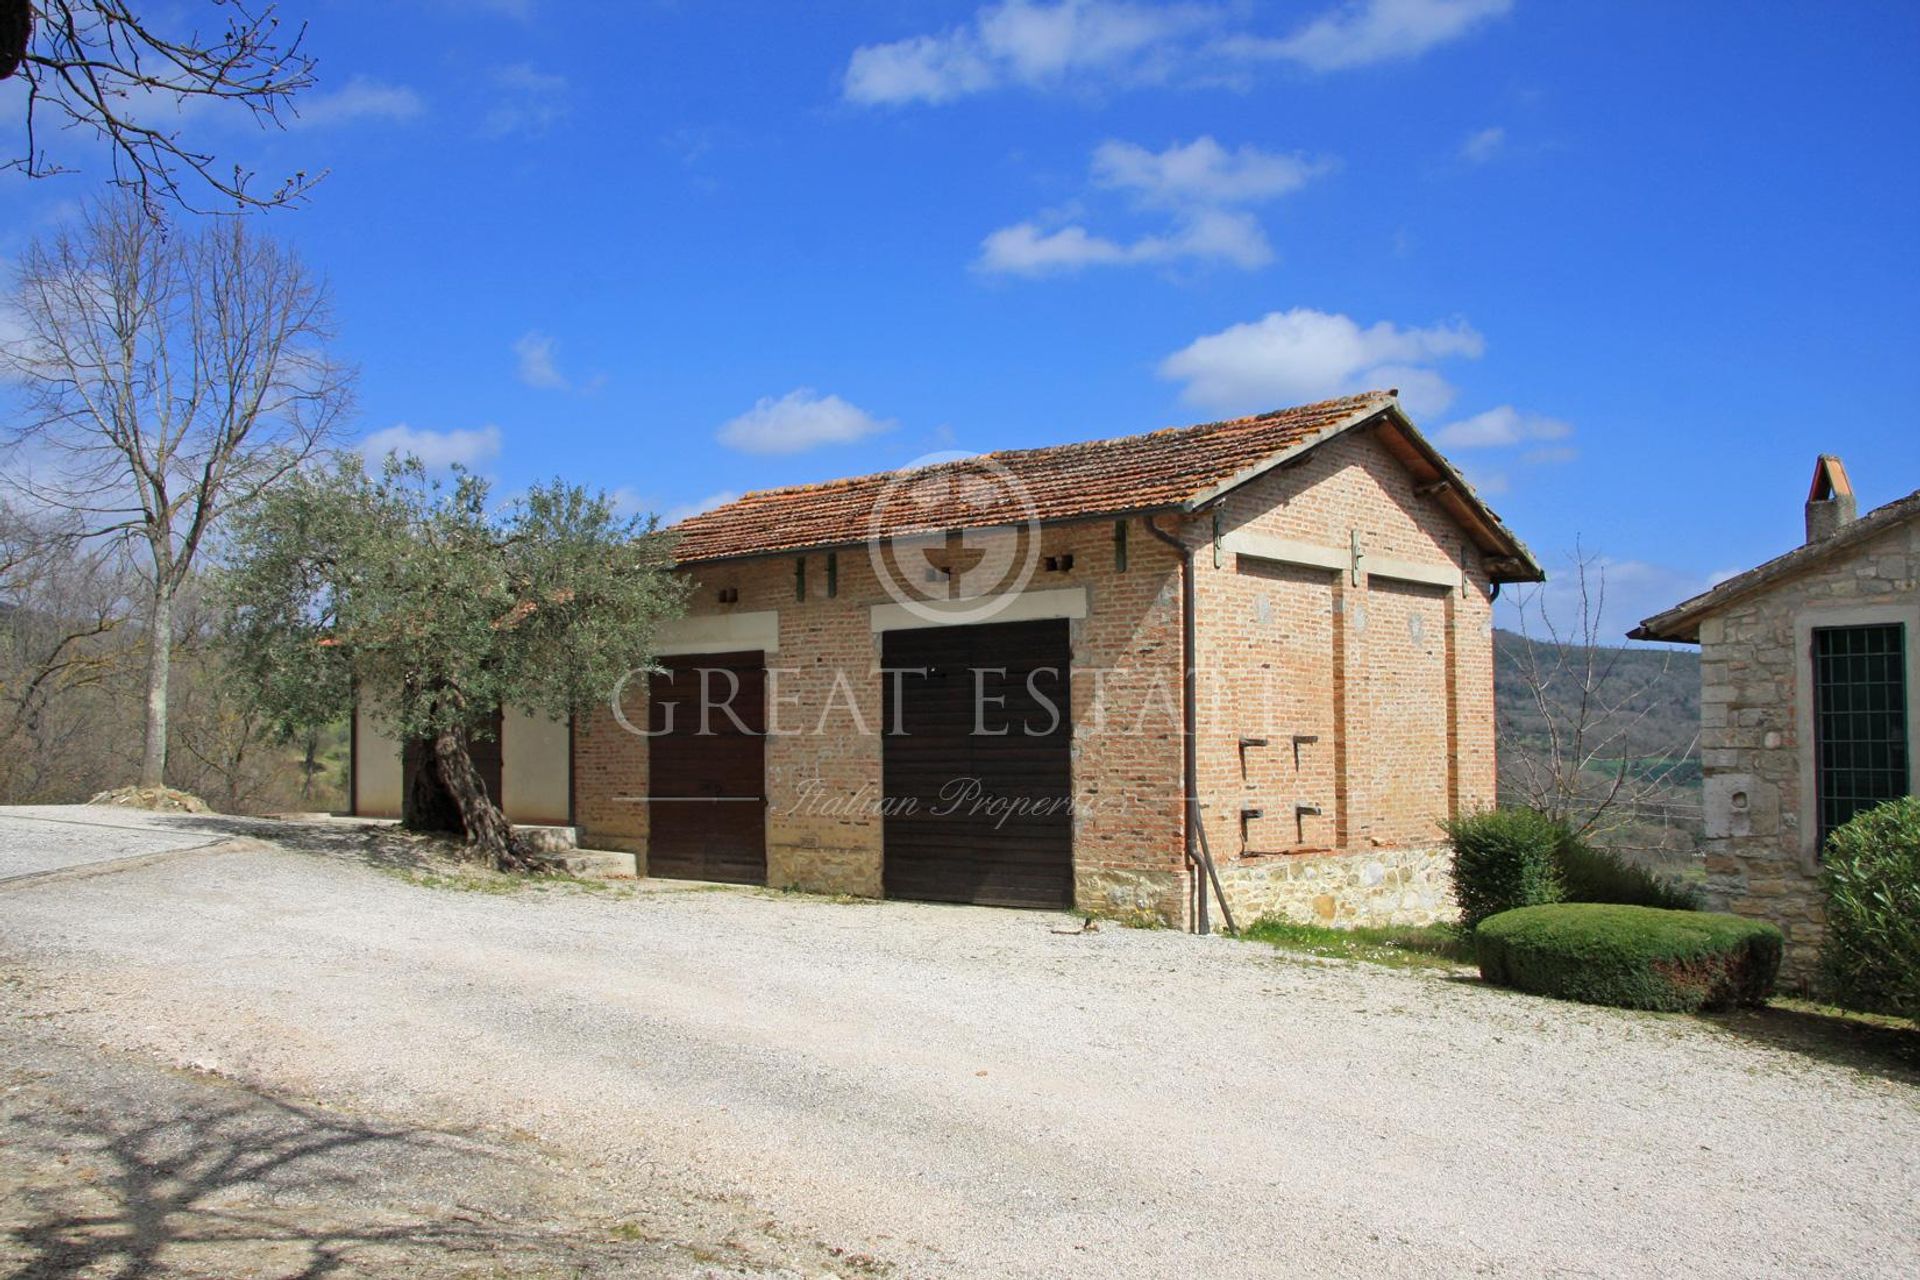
{"type": "Point", "coordinates": [1664, 683]}
{"type": "Point", "coordinates": [1654, 695]}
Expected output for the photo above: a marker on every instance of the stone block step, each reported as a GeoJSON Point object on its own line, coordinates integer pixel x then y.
{"type": "Point", "coordinates": [548, 839]}
{"type": "Point", "coordinates": [594, 864]}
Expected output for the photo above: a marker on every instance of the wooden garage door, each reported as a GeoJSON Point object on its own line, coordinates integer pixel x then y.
{"type": "Point", "coordinates": [975, 816]}
{"type": "Point", "coordinates": [706, 783]}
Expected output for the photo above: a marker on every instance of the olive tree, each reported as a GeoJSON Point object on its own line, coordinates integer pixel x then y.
{"type": "Point", "coordinates": [425, 600]}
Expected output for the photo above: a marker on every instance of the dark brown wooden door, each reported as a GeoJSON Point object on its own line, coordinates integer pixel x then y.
{"type": "Point", "coordinates": [979, 775]}
{"type": "Point", "coordinates": [707, 771]}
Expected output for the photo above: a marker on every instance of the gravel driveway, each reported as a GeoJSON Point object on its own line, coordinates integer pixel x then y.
{"type": "Point", "coordinates": [940, 1091]}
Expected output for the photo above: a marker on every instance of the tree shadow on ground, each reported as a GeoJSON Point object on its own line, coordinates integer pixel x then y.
{"type": "Point", "coordinates": [380, 844]}
{"type": "Point", "coordinates": [261, 1187]}
{"type": "Point", "coordinates": [1882, 1047]}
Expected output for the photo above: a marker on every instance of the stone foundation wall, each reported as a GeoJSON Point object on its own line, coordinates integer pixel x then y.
{"type": "Point", "coordinates": [1367, 887]}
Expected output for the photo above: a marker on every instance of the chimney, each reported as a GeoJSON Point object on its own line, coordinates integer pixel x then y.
{"type": "Point", "coordinates": [1830, 503]}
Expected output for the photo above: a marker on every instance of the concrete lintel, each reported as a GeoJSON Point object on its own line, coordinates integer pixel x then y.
{"type": "Point", "coordinates": [1027, 606]}
{"type": "Point", "coordinates": [1261, 546]}
{"type": "Point", "coordinates": [1433, 575]}
{"type": "Point", "coordinates": [720, 633]}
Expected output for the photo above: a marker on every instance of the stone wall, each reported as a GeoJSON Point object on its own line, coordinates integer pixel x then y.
{"type": "Point", "coordinates": [1756, 738]}
{"type": "Point", "coordinates": [1412, 886]}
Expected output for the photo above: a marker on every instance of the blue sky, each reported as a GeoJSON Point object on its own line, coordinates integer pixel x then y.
{"type": "Point", "coordinates": [1634, 264]}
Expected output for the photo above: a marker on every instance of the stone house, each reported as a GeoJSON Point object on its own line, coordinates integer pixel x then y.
{"type": "Point", "coordinates": [1808, 703]}
{"type": "Point", "coordinates": [997, 680]}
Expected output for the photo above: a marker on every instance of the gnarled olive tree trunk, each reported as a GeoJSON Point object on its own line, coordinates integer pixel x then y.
{"type": "Point", "coordinates": [486, 826]}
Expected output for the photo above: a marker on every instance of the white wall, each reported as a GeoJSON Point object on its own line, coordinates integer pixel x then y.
{"type": "Point", "coordinates": [534, 760]}
{"type": "Point", "coordinates": [376, 759]}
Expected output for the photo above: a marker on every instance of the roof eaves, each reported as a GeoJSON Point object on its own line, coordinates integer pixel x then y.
{"type": "Point", "coordinates": [846, 544]}
{"type": "Point", "coordinates": [1523, 566]}
{"type": "Point", "coordinates": [1681, 624]}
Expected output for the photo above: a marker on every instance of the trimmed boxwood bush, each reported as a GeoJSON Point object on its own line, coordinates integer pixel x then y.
{"type": "Point", "coordinates": [1871, 956]}
{"type": "Point", "coordinates": [1597, 875]}
{"type": "Point", "coordinates": [1633, 957]}
{"type": "Point", "coordinates": [1502, 859]}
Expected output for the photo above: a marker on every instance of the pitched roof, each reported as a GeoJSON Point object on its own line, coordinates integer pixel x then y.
{"type": "Point", "coordinates": [1179, 468]}
{"type": "Point", "coordinates": [1682, 622]}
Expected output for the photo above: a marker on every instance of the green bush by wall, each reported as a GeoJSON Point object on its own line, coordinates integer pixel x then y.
{"type": "Point", "coordinates": [1630, 956]}
{"type": "Point", "coordinates": [1596, 875]}
{"type": "Point", "coordinates": [1871, 957]}
{"type": "Point", "coordinates": [1502, 859]}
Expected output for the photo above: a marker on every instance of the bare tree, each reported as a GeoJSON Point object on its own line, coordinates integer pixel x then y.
{"type": "Point", "coordinates": [126, 76]}
{"type": "Point", "coordinates": [167, 379]}
{"type": "Point", "coordinates": [63, 646]}
{"type": "Point", "coordinates": [1590, 750]}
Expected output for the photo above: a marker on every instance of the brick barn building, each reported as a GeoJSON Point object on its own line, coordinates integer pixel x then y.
{"type": "Point", "coordinates": [994, 679]}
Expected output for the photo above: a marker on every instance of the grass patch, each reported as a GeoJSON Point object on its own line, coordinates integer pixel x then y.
{"type": "Point", "coordinates": [1433, 946]}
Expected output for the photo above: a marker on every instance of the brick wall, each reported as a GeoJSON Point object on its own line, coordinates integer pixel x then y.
{"type": "Point", "coordinates": [824, 761]}
{"type": "Point", "coordinates": [1756, 732]}
{"type": "Point", "coordinates": [1392, 679]}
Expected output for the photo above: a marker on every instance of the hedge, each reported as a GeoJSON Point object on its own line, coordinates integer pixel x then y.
{"type": "Point", "coordinates": [1633, 957]}
{"type": "Point", "coordinates": [1502, 859]}
{"type": "Point", "coordinates": [1871, 956]}
{"type": "Point", "coordinates": [1599, 875]}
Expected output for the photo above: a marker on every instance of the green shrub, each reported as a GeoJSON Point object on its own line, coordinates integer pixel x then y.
{"type": "Point", "coordinates": [1634, 957]}
{"type": "Point", "coordinates": [1871, 957]}
{"type": "Point", "coordinates": [1502, 859]}
{"type": "Point", "coordinates": [1597, 875]}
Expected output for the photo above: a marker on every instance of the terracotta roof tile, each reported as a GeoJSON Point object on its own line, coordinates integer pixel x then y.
{"type": "Point", "coordinates": [1101, 477]}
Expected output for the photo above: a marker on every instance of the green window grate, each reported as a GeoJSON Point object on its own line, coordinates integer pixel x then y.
{"type": "Point", "coordinates": [1860, 719]}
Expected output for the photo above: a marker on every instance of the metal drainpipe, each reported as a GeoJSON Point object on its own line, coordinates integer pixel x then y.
{"type": "Point", "coordinates": [1190, 697]}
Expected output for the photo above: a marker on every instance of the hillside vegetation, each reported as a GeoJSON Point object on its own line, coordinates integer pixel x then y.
{"type": "Point", "coordinates": [1626, 720]}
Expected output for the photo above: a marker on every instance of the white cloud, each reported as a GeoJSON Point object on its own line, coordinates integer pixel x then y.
{"type": "Point", "coordinates": [1501, 426]}
{"type": "Point", "coordinates": [1019, 42]}
{"type": "Point", "coordinates": [800, 420]}
{"type": "Point", "coordinates": [1212, 235]}
{"type": "Point", "coordinates": [1365, 32]}
{"type": "Point", "coordinates": [1203, 172]}
{"type": "Point", "coordinates": [1551, 456]}
{"type": "Point", "coordinates": [1291, 357]}
{"type": "Point", "coordinates": [1483, 146]}
{"type": "Point", "coordinates": [529, 102]}
{"type": "Point", "coordinates": [434, 448]}
{"type": "Point", "coordinates": [1082, 44]}
{"type": "Point", "coordinates": [1199, 181]}
{"type": "Point", "coordinates": [358, 99]}
{"type": "Point", "coordinates": [538, 368]}
{"type": "Point", "coordinates": [1619, 595]}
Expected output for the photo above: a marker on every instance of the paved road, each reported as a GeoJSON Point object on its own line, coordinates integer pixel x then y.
{"type": "Point", "coordinates": [962, 1092]}
{"type": "Point", "coordinates": [39, 838]}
